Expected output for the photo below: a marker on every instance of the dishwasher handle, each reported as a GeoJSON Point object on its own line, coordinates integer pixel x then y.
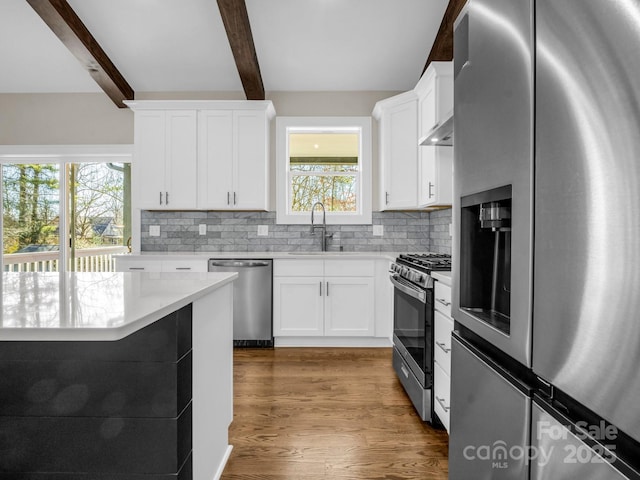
{"type": "Point", "coordinates": [239, 263]}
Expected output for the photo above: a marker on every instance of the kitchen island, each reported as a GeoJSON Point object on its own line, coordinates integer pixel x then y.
{"type": "Point", "coordinates": [115, 375]}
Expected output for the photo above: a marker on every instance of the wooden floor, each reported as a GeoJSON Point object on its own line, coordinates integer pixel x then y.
{"type": "Point", "coordinates": [320, 413]}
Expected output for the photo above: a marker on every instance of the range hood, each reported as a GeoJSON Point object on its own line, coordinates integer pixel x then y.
{"type": "Point", "coordinates": [441, 134]}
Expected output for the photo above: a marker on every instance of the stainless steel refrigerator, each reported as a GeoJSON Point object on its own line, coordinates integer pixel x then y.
{"type": "Point", "coordinates": [546, 265]}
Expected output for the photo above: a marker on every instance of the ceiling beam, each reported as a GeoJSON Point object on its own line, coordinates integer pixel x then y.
{"type": "Point", "coordinates": [236, 23]}
{"type": "Point", "coordinates": [442, 49]}
{"type": "Point", "coordinates": [68, 27]}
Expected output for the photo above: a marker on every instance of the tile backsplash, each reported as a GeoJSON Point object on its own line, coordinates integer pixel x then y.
{"type": "Point", "coordinates": [238, 232]}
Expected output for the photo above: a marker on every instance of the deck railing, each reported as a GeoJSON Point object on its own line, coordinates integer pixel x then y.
{"type": "Point", "coordinates": [99, 259]}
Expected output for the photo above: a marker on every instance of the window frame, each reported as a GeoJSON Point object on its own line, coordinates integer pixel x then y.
{"type": "Point", "coordinates": [285, 125]}
{"type": "Point", "coordinates": [62, 155]}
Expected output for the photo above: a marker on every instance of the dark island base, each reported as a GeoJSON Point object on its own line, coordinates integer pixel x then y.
{"type": "Point", "coordinates": [185, 473]}
{"type": "Point", "coordinates": [99, 410]}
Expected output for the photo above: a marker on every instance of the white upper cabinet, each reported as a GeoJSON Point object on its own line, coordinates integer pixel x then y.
{"type": "Point", "coordinates": [398, 151]}
{"type": "Point", "coordinates": [164, 167]}
{"type": "Point", "coordinates": [215, 161]}
{"type": "Point", "coordinates": [208, 155]}
{"type": "Point", "coordinates": [435, 163]}
{"type": "Point", "coordinates": [233, 159]}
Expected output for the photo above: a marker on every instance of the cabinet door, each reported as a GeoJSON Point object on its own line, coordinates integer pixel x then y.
{"type": "Point", "coordinates": [436, 175]}
{"type": "Point", "coordinates": [349, 306]}
{"type": "Point", "coordinates": [443, 326]}
{"type": "Point", "coordinates": [250, 168]}
{"type": "Point", "coordinates": [125, 264]}
{"type": "Point", "coordinates": [298, 306]}
{"type": "Point", "coordinates": [185, 265]}
{"type": "Point", "coordinates": [149, 160]}
{"type": "Point", "coordinates": [215, 159]}
{"type": "Point", "coordinates": [441, 394]}
{"type": "Point", "coordinates": [428, 114]}
{"type": "Point", "coordinates": [400, 151]}
{"type": "Point", "coordinates": [181, 160]}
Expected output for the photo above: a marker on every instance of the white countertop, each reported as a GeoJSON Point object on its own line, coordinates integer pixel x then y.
{"type": "Point", "coordinates": [95, 306]}
{"type": "Point", "coordinates": [391, 256]}
{"type": "Point", "coordinates": [442, 276]}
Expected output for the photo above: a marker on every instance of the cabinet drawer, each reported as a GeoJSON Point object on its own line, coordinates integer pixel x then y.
{"type": "Point", "coordinates": [184, 266]}
{"type": "Point", "coordinates": [349, 268]}
{"type": "Point", "coordinates": [442, 340]}
{"type": "Point", "coordinates": [138, 265]}
{"type": "Point", "coordinates": [442, 295]}
{"type": "Point", "coordinates": [298, 268]}
{"type": "Point", "coordinates": [441, 394]}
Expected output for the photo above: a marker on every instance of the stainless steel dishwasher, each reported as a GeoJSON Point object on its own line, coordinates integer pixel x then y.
{"type": "Point", "coordinates": [252, 300]}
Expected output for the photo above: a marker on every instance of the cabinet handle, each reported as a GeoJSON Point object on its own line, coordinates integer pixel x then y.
{"type": "Point", "coordinates": [320, 288]}
{"type": "Point", "coordinates": [183, 268]}
{"type": "Point", "coordinates": [228, 198]}
{"type": "Point", "coordinates": [387, 198]}
{"type": "Point", "coordinates": [431, 185]}
{"type": "Point", "coordinates": [443, 301]}
{"type": "Point", "coordinates": [405, 371]}
{"type": "Point", "coordinates": [442, 404]}
{"type": "Point", "coordinates": [160, 198]}
{"type": "Point", "coordinates": [443, 347]}
{"type": "Point", "coordinates": [234, 198]}
{"type": "Point", "coordinates": [136, 268]}
{"type": "Point", "coordinates": [327, 289]}
{"type": "Point", "coordinates": [166, 198]}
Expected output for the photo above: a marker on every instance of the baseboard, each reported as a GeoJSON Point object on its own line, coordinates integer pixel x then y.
{"type": "Point", "coordinates": [356, 342]}
{"type": "Point", "coordinates": [223, 463]}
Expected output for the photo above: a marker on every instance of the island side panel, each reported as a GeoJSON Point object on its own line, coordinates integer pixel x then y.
{"type": "Point", "coordinates": [212, 382]}
{"type": "Point", "coordinates": [90, 409]}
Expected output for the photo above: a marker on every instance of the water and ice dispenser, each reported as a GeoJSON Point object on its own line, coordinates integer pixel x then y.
{"type": "Point", "coordinates": [485, 260]}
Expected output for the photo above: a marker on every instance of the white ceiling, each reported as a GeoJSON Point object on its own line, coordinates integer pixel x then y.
{"type": "Point", "coordinates": [181, 45]}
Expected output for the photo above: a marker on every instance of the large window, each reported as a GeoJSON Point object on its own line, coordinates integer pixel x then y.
{"type": "Point", "coordinates": [80, 203]}
{"type": "Point", "coordinates": [327, 160]}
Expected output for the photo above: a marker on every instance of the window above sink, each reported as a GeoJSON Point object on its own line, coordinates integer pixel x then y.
{"type": "Point", "coordinates": [323, 159]}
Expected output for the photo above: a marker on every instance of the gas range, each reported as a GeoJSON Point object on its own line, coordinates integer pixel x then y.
{"type": "Point", "coordinates": [413, 324]}
{"type": "Point", "coordinates": [417, 267]}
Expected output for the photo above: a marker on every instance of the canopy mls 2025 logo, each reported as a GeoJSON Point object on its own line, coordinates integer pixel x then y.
{"type": "Point", "coordinates": [549, 436]}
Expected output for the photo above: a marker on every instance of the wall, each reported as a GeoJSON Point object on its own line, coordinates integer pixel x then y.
{"type": "Point", "coordinates": [63, 119]}
{"type": "Point", "coordinates": [91, 118]}
{"type": "Point", "coordinates": [237, 232]}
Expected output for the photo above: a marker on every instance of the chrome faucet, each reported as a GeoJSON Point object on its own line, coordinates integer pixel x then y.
{"type": "Point", "coordinates": [323, 227]}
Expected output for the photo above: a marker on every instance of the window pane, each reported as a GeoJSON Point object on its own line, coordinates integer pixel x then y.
{"type": "Point", "coordinates": [96, 214]}
{"type": "Point", "coordinates": [337, 193]}
{"type": "Point", "coordinates": [324, 152]}
{"type": "Point", "coordinates": [304, 166]}
{"type": "Point", "coordinates": [31, 208]}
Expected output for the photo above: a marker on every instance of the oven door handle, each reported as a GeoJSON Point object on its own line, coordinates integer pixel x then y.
{"type": "Point", "coordinates": [416, 293]}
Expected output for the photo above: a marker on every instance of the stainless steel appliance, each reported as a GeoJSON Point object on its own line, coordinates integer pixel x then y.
{"type": "Point", "coordinates": [252, 300]}
{"type": "Point", "coordinates": [413, 325]}
{"type": "Point", "coordinates": [550, 390]}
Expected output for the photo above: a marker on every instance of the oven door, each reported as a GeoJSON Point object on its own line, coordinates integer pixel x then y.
{"type": "Point", "coordinates": [412, 326]}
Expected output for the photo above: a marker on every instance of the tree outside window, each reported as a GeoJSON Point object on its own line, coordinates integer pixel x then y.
{"type": "Point", "coordinates": [97, 213]}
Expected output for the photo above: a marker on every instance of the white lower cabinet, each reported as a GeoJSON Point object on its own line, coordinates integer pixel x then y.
{"type": "Point", "coordinates": [443, 326]}
{"type": "Point", "coordinates": [319, 305]}
{"type": "Point", "coordinates": [442, 395]}
{"type": "Point", "coordinates": [137, 264]}
{"type": "Point", "coordinates": [298, 306]}
{"type": "Point", "coordinates": [348, 305]}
